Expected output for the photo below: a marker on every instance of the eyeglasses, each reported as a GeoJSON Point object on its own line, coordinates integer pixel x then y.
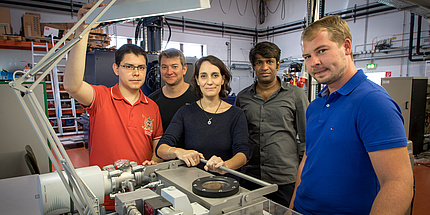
{"type": "Point", "coordinates": [131, 67]}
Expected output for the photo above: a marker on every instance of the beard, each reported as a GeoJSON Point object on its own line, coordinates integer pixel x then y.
{"type": "Point", "coordinates": [333, 76]}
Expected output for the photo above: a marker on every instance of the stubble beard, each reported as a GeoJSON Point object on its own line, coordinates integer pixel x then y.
{"type": "Point", "coordinates": [335, 76]}
{"type": "Point", "coordinates": [177, 81]}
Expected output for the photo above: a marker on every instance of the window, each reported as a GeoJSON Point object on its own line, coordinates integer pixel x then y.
{"type": "Point", "coordinates": [118, 41]}
{"type": "Point", "coordinates": [189, 49]}
{"type": "Point", "coordinates": [375, 76]}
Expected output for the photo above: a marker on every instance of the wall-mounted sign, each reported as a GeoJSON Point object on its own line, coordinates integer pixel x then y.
{"type": "Point", "coordinates": [371, 66]}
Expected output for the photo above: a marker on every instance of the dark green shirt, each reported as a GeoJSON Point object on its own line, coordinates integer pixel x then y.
{"type": "Point", "coordinates": [276, 132]}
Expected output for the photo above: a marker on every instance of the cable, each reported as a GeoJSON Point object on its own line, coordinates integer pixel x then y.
{"type": "Point", "coordinates": [170, 32]}
{"type": "Point", "coordinates": [253, 11]}
{"type": "Point", "coordinates": [237, 5]}
{"type": "Point", "coordinates": [261, 12]}
{"type": "Point", "coordinates": [283, 12]}
{"type": "Point", "coordinates": [275, 9]}
{"type": "Point", "coordinates": [153, 80]}
{"type": "Point", "coordinates": [229, 7]}
{"type": "Point", "coordinates": [137, 32]}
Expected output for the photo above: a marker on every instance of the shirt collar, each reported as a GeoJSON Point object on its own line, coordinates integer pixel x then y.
{"type": "Point", "coordinates": [347, 88]}
{"type": "Point", "coordinates": [116, 94]}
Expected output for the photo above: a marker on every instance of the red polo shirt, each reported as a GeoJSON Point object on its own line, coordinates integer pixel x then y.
{"type": "Point", "coordinates": [120, 130]}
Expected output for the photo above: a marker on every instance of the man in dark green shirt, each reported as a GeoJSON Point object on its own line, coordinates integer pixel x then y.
{"type": "Point", "coordinates": [276, 115]}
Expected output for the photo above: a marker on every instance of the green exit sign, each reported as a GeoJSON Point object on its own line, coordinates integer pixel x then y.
{"type": "Point", "coordinates": [371, 66]}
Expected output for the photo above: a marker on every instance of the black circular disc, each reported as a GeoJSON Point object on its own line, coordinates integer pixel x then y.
{"type": "Point", "coordinates": [215, 186]}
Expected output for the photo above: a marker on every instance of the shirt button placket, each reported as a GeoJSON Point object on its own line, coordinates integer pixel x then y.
{"type": "Point", "coordinates": [131, 113]}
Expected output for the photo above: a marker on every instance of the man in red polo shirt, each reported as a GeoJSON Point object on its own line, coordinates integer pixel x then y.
{"type": "Point", "coordinates": [124, 123]}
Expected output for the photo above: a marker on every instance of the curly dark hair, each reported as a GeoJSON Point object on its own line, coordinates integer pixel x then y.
{"type": "Point", "coordinates": [225, 88]}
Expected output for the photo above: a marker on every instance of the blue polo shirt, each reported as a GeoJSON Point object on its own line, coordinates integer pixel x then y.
{"type": "Point", "coordinates": [342, 127]}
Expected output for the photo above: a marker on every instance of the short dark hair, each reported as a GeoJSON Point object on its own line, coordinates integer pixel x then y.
{"type": "Point", "coordinates": [266, 50]}
{"type": "Point", "coordinates": [169, 53]}
{"type": "Point", "coordinates": [225, 88]}
{"type": "Point", "coordinates": [127, 49]}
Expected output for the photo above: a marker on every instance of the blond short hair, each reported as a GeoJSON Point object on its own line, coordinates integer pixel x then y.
{"type": "Point", "coordinates": [337, 28]}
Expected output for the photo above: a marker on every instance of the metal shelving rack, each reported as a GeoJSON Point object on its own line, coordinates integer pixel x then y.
{"type": "Point", "coordinates": [61, 106]}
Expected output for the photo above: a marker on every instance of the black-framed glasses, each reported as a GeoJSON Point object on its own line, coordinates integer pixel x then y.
{"type": "Point", "coordinates": [131, 67]}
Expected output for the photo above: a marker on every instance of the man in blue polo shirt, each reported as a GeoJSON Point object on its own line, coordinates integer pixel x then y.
{"type": "Point", "coordinates": [356, 161]}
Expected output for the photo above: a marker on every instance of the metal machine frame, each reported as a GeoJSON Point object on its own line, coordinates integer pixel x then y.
{"type": "Point", "coordinates": [174, 173]}
{"type": "Point", "coordinates": [171, 174]}
{"type": "Point", "coordinates": [84, 199]}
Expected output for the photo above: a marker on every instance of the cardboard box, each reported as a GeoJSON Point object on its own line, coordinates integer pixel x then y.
{"type": "Point", "coordinates": [31, 25]}
{"type": "Point", "coordinates": [4, 28]}
{"type": "Point", "coordinates": [5, 15]}
{"type": "Point", "coordinates": [97, 31]}
{"type": "Point", "coordinates": [5, 18]}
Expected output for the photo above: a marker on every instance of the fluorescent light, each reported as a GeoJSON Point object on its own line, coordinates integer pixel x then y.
{"type": "Point", "coordinates": [132, 9]}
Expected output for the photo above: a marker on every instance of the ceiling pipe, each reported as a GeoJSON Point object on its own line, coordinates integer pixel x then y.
{"type": "Point", "coordinates": [68, 4]}
{"type": "Point", "coordinates": [411, 42]}
{"type": "Point", "coordinates": [189, 22]}
{"type": "Point", "coordinates": [218, 27]}
{"type": "Point", "coordinates": [287, 25]}
{"type": "Point", "coordinates": [280, 32]}
{"type": "Point", "coordinates": [358, 8]}
{"type": "Point", "coordinates": [49, 5]}
{"type": "Point", "coordinates": [292, 26]}
{"type": "Point", "coordinates": [420, 18]}
{"type": "Point", "coordinates": [356, 15]}
{"type": "Point", "coordinates": [220, 30]}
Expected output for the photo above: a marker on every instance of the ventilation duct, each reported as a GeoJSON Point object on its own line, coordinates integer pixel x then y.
{"type": "Point", "coordinates": [418, 7]}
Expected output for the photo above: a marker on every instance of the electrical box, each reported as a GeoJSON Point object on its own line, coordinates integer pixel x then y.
{"type": "Point", "coordinates": [410, 94]}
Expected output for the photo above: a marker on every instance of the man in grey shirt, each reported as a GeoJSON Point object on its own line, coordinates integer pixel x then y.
{"type": "Point", "coordinates": [276, 115]}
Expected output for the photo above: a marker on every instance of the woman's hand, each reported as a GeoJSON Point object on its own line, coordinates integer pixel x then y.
{"type": "Point", "coordinates": [214, 164]}
{"type": "Point", "coordinates": [190, 157]}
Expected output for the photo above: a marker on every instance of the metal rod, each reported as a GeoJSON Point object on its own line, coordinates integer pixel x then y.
{"type": "Point", "coordinates": [241, 175]}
